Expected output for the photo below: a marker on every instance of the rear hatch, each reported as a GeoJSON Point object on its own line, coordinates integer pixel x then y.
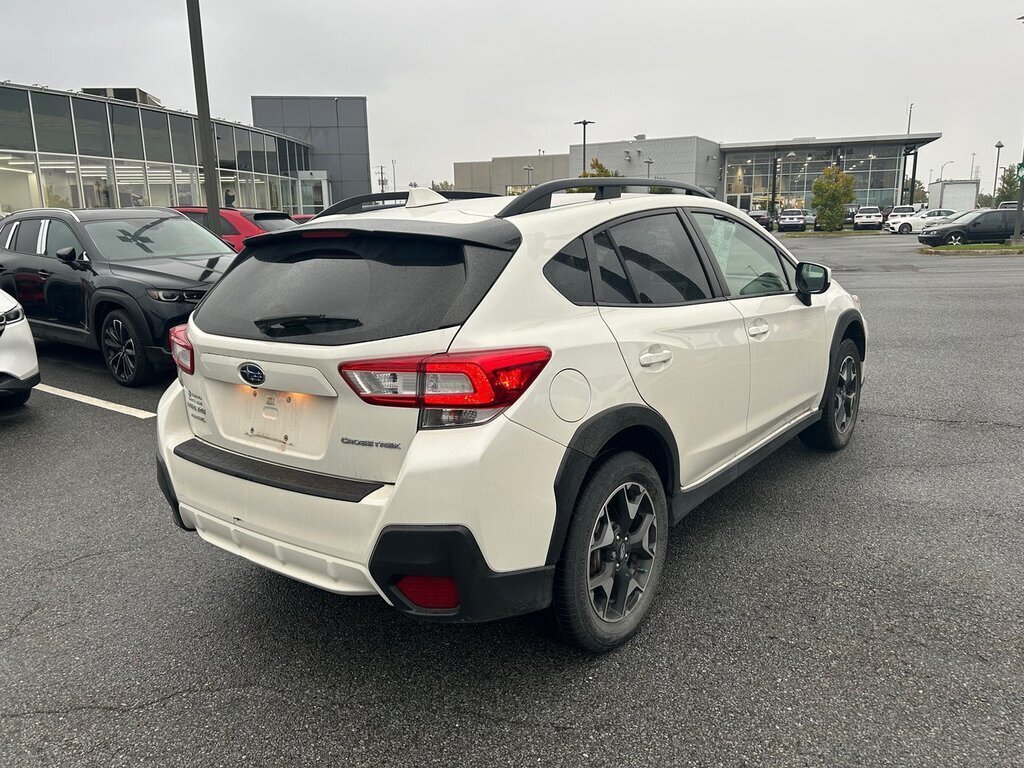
{"type": "Point", "coordinates": [270, 336]}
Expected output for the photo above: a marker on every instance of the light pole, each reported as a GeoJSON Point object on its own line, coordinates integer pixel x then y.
{"type": "Point", "coordinates": [584, 123]}
{"type": "Point", "coordinates": [942, 169]}
{"type": "Point", "coordinates": [211, 181]}
{"type": "Point", "coordinates": [529, 176]}
{"type": "Point", "coordinates": [972, 165]}
{"type": "Point", "coordinates": [871, 159]}
{"type": "Point", "coordinates": [648, 162]}
{"type": "Point", "coordinates": [995, 181]}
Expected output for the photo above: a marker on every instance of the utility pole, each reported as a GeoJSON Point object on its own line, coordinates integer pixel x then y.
{"type": "Point", "coordinates": [529, 175]}
{"type": "Point", "coordinates": [211, 180]}
{"type": "Point", "coordinates": [973, 154]}
{"type": "Point", "coordinates": [1019, 221]}
{"type": "Point", "coordinates": [394, 175]}
{"type": "Point", "coordinates": [649, 163]}
{"type": "Point", "coordinates": [995, 181]}
{"type": "Point", "coordinates": [903, 162]}
{"type": "Point", "coordinates": [380, 169]}
{"type": "Point", "coordinates": [584, 123]}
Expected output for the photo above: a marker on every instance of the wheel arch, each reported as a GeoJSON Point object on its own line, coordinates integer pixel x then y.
{"type": "Point", "coordinates": [622, 428]}
{"type": "Point", "coordinates": [105, 301]}
{"type": "Point", "coordinates": [850, 325]}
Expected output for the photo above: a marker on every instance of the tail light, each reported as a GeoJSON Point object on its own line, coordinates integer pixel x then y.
{"type": "Point", "coordinates": [457, 389]}
{"type": "Point", "coordinates": [437, 592]}
{"type": "Point", "coordinates": [181, 349]}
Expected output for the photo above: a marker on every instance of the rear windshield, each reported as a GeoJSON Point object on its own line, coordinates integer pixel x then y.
{"type": "Point", "coordinates": [792, 212]}
{"type": "Point", "coordinates": [902, 209]}
{"type": "Point", "coordinates": [351, 289]}
{"type": "Point", "coordinates": [145, 237]}
{"type": "Point", "coordinates": [866, 209]}
{"type": "Point", "coordinates": [271, 222]}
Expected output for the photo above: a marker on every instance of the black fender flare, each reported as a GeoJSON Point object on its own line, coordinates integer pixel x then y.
{"type": "Point", "coordinates": [588, 443]}
{"type": "Point", "coordinates": [846, 319]}
{"type": "Point", "coordinates": [123, 301]}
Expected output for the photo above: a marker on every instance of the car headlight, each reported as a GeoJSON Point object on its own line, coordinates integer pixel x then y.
{"type": "Point", "coordinates": [173, 295]}
{"type": "Point", "coordinates": [12, 315]}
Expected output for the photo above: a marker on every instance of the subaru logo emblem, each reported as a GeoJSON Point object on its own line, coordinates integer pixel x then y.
{"type": "Point", "coordinates": [252, 374]}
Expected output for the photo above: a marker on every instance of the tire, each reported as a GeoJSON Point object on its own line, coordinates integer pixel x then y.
{"type": "Point", "coordinates": [14, 399]}
{"type": "Point", "coordinates": [855, 227]}
{"type": "Point", "coordinates": [803, 228]}
{"type": "Point", "coordinates": [598, 614]}
{"type": "Point", "coordinates": [905, 229]}
{"type": "Point", "coordinates": [842, 402]}
{"type": "Point", "coordinates": [955, 238]}
{"type": "Point", "coordinates": [124, 350]}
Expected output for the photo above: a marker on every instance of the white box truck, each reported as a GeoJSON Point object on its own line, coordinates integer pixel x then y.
{"type": "Point", "coordinates": [958, 194]}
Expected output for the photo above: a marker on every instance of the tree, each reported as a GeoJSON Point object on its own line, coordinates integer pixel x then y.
{"type": "Point", "coordinates": [1008, 186]}
{"type": "Point", "coordinates": [985, 201]}
{"type": "Point", "coordinates": [920, 193]}
{"type": "Point", "coordinates": [442, 186]}
{"type": "Point", "coordinates": [598, 170]}
{"type": "Point", "coordinates": [833, 191]}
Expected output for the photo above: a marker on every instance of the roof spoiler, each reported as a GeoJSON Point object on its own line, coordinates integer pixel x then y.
{"type": "Point", "coordinates": [539, 198]}
{"type": "Point", "coordinates": [358, 203]}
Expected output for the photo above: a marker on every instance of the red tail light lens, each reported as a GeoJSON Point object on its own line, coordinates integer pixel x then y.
{"type": "Point", "coordinates": [437, 592]}
{"type": "Point", "coordinates": [487, 380]}
{"type": "Point", "coordinates": [181, 349]}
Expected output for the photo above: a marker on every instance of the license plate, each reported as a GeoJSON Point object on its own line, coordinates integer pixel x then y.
{"type": "Point", "coordinates": [271, 415]}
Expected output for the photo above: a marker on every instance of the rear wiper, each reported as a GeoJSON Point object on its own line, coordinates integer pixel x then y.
{"type": "Point", "coordinates": [287, 325]}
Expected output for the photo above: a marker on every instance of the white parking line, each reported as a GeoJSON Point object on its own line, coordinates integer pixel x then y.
{"type": "Point", "coordinates": [116, 407]}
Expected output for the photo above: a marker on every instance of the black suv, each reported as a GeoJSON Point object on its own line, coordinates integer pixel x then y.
{"type": "Point", "coordinates": [762, 217]}
{"type": "Point", "coordinates": [982, 226]}
{"type": "Point", "coordinates": [116, 280]}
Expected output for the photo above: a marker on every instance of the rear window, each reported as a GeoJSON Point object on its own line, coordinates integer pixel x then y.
{"type": "Point", "coordinates": [903, 209]}
{"type": "Point", "coordinates": [271, 222]}
{"type": "Point", "coordinates": [792, 212]}
{"type": "Point", "coordinates": [334, 291]}
{"type": "Point", "coordinates": [867, 209]}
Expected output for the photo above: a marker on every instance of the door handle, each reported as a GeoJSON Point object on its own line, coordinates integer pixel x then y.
{"type": "Point", "coordinates": [759, 329]}
{"type": "Point", "coordinates": [44, 273]}
{"type": "Point", "coordinates": [648, 359]}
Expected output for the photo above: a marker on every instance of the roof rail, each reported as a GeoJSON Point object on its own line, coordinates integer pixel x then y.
{"type": "Point", "coordinates": [539, 198]}
{"type": "Point", "coordinates": [68, 211]}
{"type": "Point", "coordinates": [357, 204]}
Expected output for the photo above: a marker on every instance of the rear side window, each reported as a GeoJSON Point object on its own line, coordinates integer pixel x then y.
{"type": "Point", "coordinates": [26, 236]}
{"type": "Point", "coordinates": [5, 233]}
{"type": "Point", "coordinates": [569, 272]}
{"type": "Point", "coordinates": [345, 290]}
{"type": "Point", "coordinates": [661, 260]}
{"type": "Point", "coordinates": [614, 285]}
{"type": "Point", "coordinates": [271, 222]}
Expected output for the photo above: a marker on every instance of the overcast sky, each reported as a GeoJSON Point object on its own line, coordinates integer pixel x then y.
{"type": "Point", "coordinates": [450, 80]}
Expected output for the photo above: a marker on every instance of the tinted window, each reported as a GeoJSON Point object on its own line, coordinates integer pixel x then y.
{"type": "Point", "coordinates": [182, 140]}
{"type": "Point", "coordinates": [569, 272]}
{"type": "Point", "coordinates": [243, 150]}
{"type": "Point", "coordinates": [146, 237]}
{"type": "Point", "coordinates": [198, 218]}
{"type": "Point", "coordinates": [226, 227]}
{"type": "Point", "coordinates": [271, 222]}
{"type": "Point", "coordinates": [53, 122]}
{"type": "Point", "coordinates": [259, 155]}
{"type": "Point", "coordinates": [751, 266]}
{"type": "Point", "coordinates": [26, 236]}
{"type": "Point", "coordinates": [5, 232]}
{"type": "Point", "coordinates": [614, 287]}
{"type": "Point", "coordinates": [661, 261]}
{"type": "Point", "coordinates": [15, 124]}
{"type": "Point", "coordinates": [357, 288]}
{"type": "Point", "coordinates": [92, 127]}
{"type": "Point", "coordinates": [59, 235]}
{"type": "Point", "coordinates": [158, 138]}
{"type": "Point", "coordinates": [225, 146]}
{"type": "Point", "coordinates": [282, 153]}
{"type": "Point", "coordinates": [124, 122]}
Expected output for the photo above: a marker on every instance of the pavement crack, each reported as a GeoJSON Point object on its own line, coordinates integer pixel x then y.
{"type": "Point", "coordinates": [969, 422]}
{"type": "Point", "coordinates": [21, 620]}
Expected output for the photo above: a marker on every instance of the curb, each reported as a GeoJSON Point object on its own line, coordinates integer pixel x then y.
{"type": "Point", "coordinates": [973, 252]}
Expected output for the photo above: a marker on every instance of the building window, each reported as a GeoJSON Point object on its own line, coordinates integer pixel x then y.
{"type": "Point", "coordinates": [183, 142]}
{"type": "Point", "coordinates": [158, 138]}
{"type": "Point", "coordinates": [52, 114]}
{"type": "Point", "coordinates": [272, 165]}
{"type": "Point", "coordinates": [243, 149]}
{"type": "Point", "coordinates": [19, 184]}
{"type": "Point", "coordinates": [92, 127]}
{"type": "Point", "coordinates": [161, 184]}
{"type": "Point", "coordinates": [127, 131]}
{"type": "Point", "coordinates": [259, 154]}
{"type": "Point", "coordinates": [15, 123]}
{"type": "Point", "coordinates": [97, 182]}
{"type": "Point", "coordinates": [187, 186]}
{"type": "Point", "coordinates": [246, 190]}
{"type": "Point", "coordinates": [293, 157]}
{"type": "Point", "coordinates": [131, 183]}
{"type": "Point", "coordinates": [59, 175]}
{"type": "Point", "coordinates": [229, 190]}
{"type": "Point", "coordinates": [225, 146]}
{"type": "Point", "coordinates": [282, 154]}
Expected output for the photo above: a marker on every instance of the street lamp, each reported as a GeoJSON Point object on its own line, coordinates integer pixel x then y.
{"type": "Point", "coordinates": [942, 169]}
{"type": "Point", "coordinates": [971, 176]}
{"type": "Point", "coordinates": [995, 181]}
{"type": "Point", "coordinates": [529, 177]}
{"type": "Point", "coordinates": [584, 123]}
{"type": "Point", "coordinates": [648, 162]}
{"type": "Point", "coordinates": [871, 159]}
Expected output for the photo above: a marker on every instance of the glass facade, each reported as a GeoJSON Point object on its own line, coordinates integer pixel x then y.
{"type": "Point", "coordinates": [71, 151]}
{"type": "Point", "coordinates": [754, 179]}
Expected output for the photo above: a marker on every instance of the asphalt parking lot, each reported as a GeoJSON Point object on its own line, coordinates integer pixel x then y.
{"type": "Point", "coordinates": [863, 608]}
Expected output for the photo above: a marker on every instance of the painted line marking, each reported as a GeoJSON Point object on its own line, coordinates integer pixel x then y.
{"type": "Point", "coordinates": [106, 404]}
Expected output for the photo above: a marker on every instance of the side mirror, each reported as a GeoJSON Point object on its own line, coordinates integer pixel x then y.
{"type": "Point", "coordinates": [68, 255]}
{"type": "Point", "coordinates": [811, 279]}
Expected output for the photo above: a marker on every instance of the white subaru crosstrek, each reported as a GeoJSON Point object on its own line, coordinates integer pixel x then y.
{"type": "Point", "coordinates": [477, 408]}
{"type": "Point", "coordinates": [19, 368]}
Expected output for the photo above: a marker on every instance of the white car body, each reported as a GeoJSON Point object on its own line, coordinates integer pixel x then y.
{"type": "Point", "coordinates": [868, 216]}
{"type": "Point", "coordinates": [810, 217]}
{"type": "Point", "coordinates": [728, 378]}
{"type": "Point", "coordinates": [792, 218]}
{"type": "Point", "coordinates": [917, 222]}
{"type": "Point", "coordinates": [19, 368]}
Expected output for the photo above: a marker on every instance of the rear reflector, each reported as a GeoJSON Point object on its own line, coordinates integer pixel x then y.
{"type": "Point", "coordinates": [436, 592]}
{"type": "Point", "coordinates": [181, 349]}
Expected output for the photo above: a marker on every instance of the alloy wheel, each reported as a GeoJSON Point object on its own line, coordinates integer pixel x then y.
{"type": "Point", "coordinates": [955, 239]}
{"type": "Point", "coordinates": [119, 350]}
{"type": "Point", "coordinates": [846, 395]}
{"type": "Point", "coordinates": [622, 552]}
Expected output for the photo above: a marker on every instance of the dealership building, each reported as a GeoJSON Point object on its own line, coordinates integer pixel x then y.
{"type": "Point", "coordinates": [119, 147]}
{"type": "Point", "coordinates": [750, 175]}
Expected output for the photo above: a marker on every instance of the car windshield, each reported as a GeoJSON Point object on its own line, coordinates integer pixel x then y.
{"type": "Point", "coordinates": [792, 212]}
{"type": "Point", "coordinates": [967, 216]}
{"type": "Point", "coordinates": [153, 237]}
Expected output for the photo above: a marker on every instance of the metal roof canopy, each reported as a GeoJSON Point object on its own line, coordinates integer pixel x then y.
{"type": "Point", "coordinates": [914, 140]}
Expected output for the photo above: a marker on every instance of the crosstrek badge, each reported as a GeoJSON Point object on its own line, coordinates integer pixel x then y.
{"type": "Point", "coordinates": [371, 443]}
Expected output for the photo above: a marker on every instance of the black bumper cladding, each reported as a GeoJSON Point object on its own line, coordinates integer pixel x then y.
{"type": "Point", "coordinates": [452, 551]}
{"type": "Point", "coordinates": [11, 384]}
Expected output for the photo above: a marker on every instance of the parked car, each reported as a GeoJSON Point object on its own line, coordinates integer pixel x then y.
{"type": "Point", "coordinates": [237, 224]}
{"type": "Point", "coordinates": [868, 217]}
{"type": "Point", "coordinates": [810, 218]}
{"type": "Point", "coordinates": [19, 368]}
{"type": "Point", "coordinates": [905, 225]}
{"type": "Point", "coordinates": [502, 415]}
{"type": "Point", "coordinates": [1011, 204]}
{"type": "Point", "coordinates": [114, 280]}
{"type": "Point", "coordinates": [302, 218]}
{"type": "Point", "coordinates": [762, 217]}
{"type": "Point", "coordinates": [792, 219]}
{"type": "Point", "coordinates": [983, 225]}
{"type": "Point", "coordinates": [899, 212]}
